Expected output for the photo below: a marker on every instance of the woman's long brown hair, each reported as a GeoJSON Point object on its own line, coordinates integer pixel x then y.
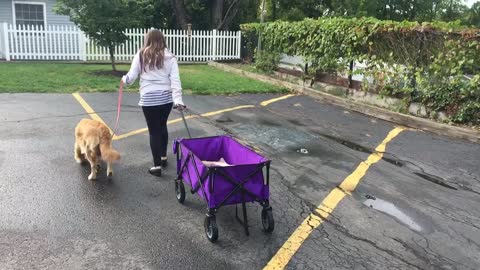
{"type": "Point", "coordinates": [153, 52]}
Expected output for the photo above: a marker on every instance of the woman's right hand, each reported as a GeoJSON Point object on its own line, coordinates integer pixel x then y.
{"type": "Point", "coordinates": [180, 107]}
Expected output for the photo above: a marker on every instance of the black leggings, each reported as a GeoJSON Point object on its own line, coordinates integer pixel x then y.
{"type": "Point", "coordinates": [156, 117]}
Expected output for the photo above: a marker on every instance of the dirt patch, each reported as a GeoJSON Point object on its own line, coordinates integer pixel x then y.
{"type": "Point", "coordinates": [109, 73]}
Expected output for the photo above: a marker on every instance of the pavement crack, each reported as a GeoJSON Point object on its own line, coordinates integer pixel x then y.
{"type": "Point", "coordinates": [431, 257]}
{"type": "Point", "coordinates": [434, 179]}
{"type": "Point", "coordinates": [464, 219]}
{"type": "Point", "coordinates": [419, 171]}
{"type": "Point", "coordinates": [465, 188]}
{"type": "Point", "coordinates": [392, 253]}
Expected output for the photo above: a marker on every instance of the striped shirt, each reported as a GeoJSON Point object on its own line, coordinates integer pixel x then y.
{"type": "Point", "coordinates": [156, 98]}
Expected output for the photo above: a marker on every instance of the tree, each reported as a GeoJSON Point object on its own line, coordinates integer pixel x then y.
{"type": "Point", "coordinates": [473, 15]}
{"type": "Point", "coordinates": [399, 10]}
{"type": "Point", "coordinates": [294, 10]}
{"type": "Point", "coordinates": [180, 13]}
{"type": "Point", "coordinates": [157, 14]}
{"type": "Point", "coordinates": [218, 14]}
{"type": "Point", "coordinates": [104, 20]}
{"type": "Point", "coordinates": [221, 19]}
{"type": "Point", "coordinates": [228, 14]}
{"type": "Point", "coordinates": [247, 12]}
{"type": "Point", "coordinates": [452, 10]}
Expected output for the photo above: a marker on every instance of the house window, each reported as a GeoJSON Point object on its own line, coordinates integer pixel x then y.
{"type": "Point", "coordinates": [29, 13]}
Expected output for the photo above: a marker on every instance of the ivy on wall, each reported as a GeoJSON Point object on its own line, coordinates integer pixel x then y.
{"type": "Point", "coordinates": [436, 63]}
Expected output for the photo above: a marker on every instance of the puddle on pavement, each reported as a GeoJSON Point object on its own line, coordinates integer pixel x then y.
{"type": "Point", "coordinates": [393, 211]}
{"type": "Point", "coordinates": [435, 179]}
{"type": "Point", "coordinates": [277, 137]}
{"type": "Point", "coordinates": [280, 136]}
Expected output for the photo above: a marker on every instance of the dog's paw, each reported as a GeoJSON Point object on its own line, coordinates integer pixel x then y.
{"type": "Point", "coordinates": [92, 177]}
{"type": "Point", "coordinates": [78, 160]}
{"type": "Point", "coordinates": [110, 174]}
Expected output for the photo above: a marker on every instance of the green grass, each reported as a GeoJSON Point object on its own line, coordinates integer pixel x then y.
{"type": "Point", "coordinates": [41, 77]}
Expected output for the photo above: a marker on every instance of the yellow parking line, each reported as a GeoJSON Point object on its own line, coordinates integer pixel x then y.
{"type": "Point", "coordinates": [135, 132]}
{"type": "Point", "coordinates": [227, 110]}
{"type": "Point", "coordinates": [323, 211]}
{"type": "Point", "coordinates": [142, 130]}
{"type": "Point", "coordinates": [95, 116]}
{"type": "Point", "coordinates": [89, 109]}
{"type": "Point", "coordinates": [270, 101]}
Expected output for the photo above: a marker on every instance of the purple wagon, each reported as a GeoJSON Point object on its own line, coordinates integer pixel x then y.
{"type": "Point", "coordinates": [222, 171]}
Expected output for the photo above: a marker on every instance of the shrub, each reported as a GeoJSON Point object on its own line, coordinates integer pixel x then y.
{"type": "Point", "coordinates": [267, 61]}
{"type": "Point", "coordinates": [419, 62]}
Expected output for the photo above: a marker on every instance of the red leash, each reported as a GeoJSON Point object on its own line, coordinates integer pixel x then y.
{"type": "Point", "coordinates": [119, 106]}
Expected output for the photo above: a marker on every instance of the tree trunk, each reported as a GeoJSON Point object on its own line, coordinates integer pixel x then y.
{"type": "Point", "coordinates": [217, 13]}
{"type": "Point", "coordinates": [180, 13]}
{"type": "Point", "coordinates": [274, 11]}
{"type": "Point", "coordinates": [413, 13]}
{"type": "Point", "coordinates": [111, 49]}
{"type": "Point", "coordinates": [229, 15]}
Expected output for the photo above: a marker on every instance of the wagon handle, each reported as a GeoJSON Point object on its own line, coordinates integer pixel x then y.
{"type": "Point", "coordinates": [185, 122]}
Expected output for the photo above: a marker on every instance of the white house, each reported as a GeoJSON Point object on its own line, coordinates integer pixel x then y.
{"type": "Point", "coordinates": [31, 12]}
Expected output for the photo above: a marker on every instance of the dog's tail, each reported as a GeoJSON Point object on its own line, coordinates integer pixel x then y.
{"type": "Point", "coordinates": [108, 153]}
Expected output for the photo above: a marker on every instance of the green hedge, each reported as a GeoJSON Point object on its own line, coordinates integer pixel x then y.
{"type": "Point", "coordinates": [421, 62]}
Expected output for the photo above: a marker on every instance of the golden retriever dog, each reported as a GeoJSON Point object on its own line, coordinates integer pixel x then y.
{"type": "Point", "coordinates": [93, 141]}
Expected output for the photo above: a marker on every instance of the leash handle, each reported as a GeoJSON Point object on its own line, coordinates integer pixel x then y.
{"type": "Point", "coordinates": [119, 106]}
{"type": "Point", "coordinates": [185, 122]}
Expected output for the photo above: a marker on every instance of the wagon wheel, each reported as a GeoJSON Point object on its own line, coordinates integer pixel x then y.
{"type": "Point", "coordinates": [267, 220]}
{"type": "Point", "coordinates": [180, 191]}
{"type": "Point", "coordinates": [211, 229]}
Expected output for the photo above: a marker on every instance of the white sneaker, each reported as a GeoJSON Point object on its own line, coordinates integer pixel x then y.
{"type": "Point", "coordinates": [156, 171]}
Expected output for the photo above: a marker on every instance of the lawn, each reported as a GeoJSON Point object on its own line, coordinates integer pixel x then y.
{"type": "Point", "coordinates": [41, 77]}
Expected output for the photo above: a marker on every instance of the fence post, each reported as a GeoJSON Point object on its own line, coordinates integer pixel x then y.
{"type": "Point", "coordinates": [6, 48]}
{"type": "Point", "coordinates": [350, 75]}
{"type": "Point", "coordinates": [83, 40]}
{"type": "Point", "coordinates": [214, 45]}
{"type": "Point", "coordinates": [239, 45]}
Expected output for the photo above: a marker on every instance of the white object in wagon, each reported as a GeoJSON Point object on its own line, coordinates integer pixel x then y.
{"type": "Point", "coordinates": [220, 163]}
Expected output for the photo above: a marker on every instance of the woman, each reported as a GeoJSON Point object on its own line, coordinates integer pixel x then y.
{"type": "Point", "coordinates": [160, 90]}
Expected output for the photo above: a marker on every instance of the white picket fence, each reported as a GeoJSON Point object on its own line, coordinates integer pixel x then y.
{"type": "Point", "coordinates": [68, 43]}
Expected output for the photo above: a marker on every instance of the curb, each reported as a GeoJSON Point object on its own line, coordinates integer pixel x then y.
{"type": "Point", "coordinates": [390, 116]}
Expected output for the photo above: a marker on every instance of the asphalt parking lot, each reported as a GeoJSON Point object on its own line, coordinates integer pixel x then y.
{"type": "Point", "coordinates": [348, 191]}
